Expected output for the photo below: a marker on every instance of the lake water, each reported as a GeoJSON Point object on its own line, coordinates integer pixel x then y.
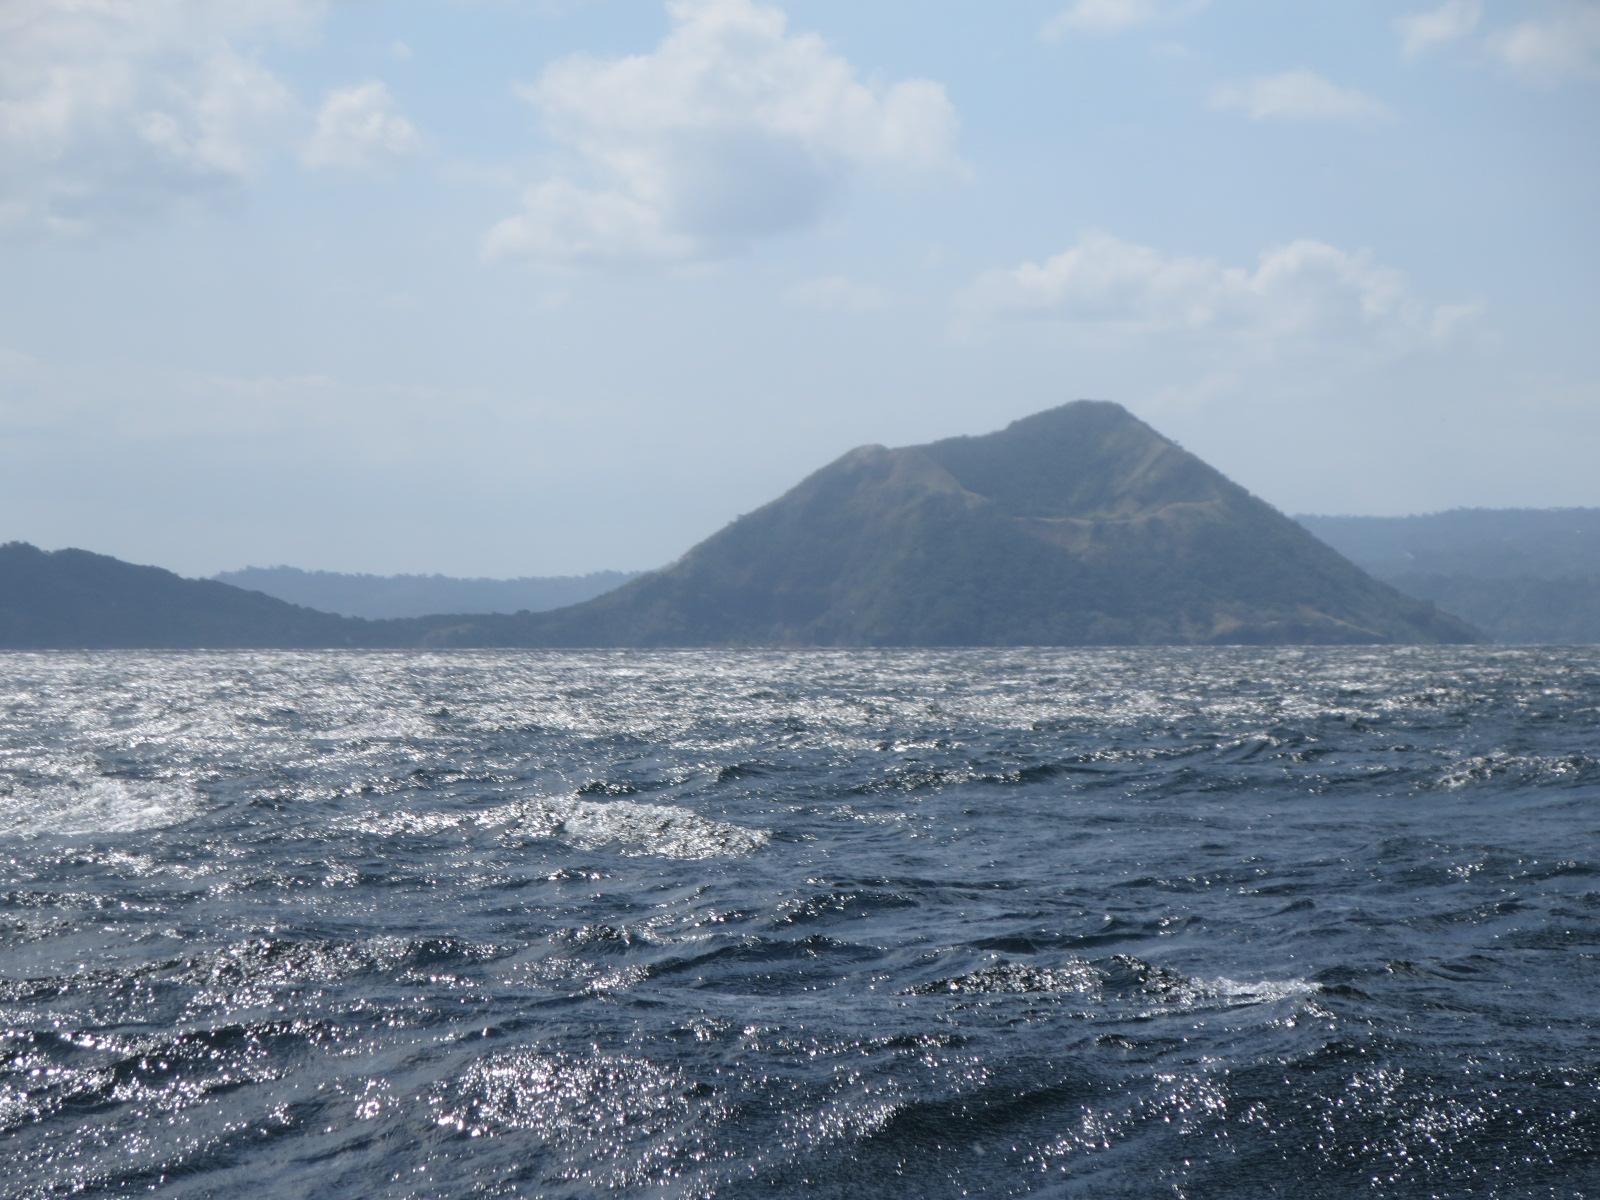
{"type": "Point", "coordinates": [1177, 923]}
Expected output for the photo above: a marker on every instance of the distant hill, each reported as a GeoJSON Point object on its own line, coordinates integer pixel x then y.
{"type": "Point", "coordinates": [1521, 575]}
{"type": "Point", "coordinates": [382, 596]}
{"type": "Point", "coordinates": [1076, 526]}
{"type": "Point", "coordinates": [1480, 543]}
{"type": "Point", "coordinates": [72, 599]}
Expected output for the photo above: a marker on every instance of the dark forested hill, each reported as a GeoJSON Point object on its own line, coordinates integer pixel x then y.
{"type": "Point", "coordinates": [1519, 574]}
{"type": "Point", "coordinates": [72, 599]}
{"type": "Point", "coordinates": [381, 596]}
{"type": "Point", "coordinates": [1076, 526]}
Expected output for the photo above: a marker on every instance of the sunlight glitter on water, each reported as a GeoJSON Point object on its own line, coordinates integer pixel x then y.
{"type": "Point", "coordinates": [751, 924]}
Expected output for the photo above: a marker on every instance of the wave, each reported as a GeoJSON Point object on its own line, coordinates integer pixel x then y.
{"type": "Point", "coordinates": [633, 828]}
{"type": "Point", "coordinates": [627, 826]}
{"type": "Point", "coordinates": [96, 804]}
{"type": "Point", "coordinates": [1122, 976]}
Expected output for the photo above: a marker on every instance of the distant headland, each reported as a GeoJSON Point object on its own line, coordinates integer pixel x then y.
{"type": "Point", "coordinates": [379, 597]}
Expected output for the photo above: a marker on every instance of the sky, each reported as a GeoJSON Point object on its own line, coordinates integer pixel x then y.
{"type": "Point", "coordinates": [528, 287]}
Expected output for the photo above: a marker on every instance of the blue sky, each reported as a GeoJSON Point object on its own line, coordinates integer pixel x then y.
{"type": "Point", "coordinates": [540, 286]}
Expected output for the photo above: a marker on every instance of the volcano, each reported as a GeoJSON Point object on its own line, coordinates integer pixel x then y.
{"type": "Point", "coordinates": [1077, 526]}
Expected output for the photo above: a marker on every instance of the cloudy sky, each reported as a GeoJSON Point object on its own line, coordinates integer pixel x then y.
{"type": "Point", "coordinates": [543, 286]}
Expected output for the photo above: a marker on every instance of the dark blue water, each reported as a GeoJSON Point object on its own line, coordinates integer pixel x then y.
{"type": "Point", "coordinates": [1096, 923]}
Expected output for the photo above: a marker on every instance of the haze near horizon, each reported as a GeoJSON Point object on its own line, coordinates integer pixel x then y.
{"type": "Point", "coordinates": [542, 288]}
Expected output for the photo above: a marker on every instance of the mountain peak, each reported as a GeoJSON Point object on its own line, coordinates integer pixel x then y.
{"type": "Point", "coordinates": [1082, 415]}
{"type": "Point", "coordinates": [1083, 459]}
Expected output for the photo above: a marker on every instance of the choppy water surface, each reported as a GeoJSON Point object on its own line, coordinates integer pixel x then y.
{"type": "Point", "coordinates": [1185, 923]}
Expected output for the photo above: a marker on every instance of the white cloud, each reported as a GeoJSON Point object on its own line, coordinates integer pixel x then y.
{"type": "Point", "coordinates": [733, 128]}
{"type": "Point", "coordinates": [1298, 95]}
{"type": "Point", "coordinates": [1306, 291]}
{"type": "Point", "coordinates": [1449, 22]}
{"type": "Point", "coordinates": [1550, 49]}
{"type": "Point", "coordinates": [108, 108]}
{"type": "Point", "coordinates": [1102, 17]}
{"type": "Point", "coordinates": [358, 127]}
{"type": "Point", "coordinates": [1561, 41]}
{"type": "Point", "coordinates": [836, 293]}
{"type": "Point", "coordinates": [562, 222]}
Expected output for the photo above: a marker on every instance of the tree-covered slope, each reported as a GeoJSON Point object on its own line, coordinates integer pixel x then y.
{"type": "Point", "coordinates": [72, 599]}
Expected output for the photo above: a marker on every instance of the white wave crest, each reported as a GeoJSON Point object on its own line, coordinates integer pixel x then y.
{"type": "Point", "coordinates": [96, 805]}
{"type": "Point", "coordinates": [1261, 991]}
{"type": "Point", "coordinates": [635, 828]}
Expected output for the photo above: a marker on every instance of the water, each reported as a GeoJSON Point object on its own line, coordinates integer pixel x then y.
{"type": "Point", "coordinates": [1077, 923]}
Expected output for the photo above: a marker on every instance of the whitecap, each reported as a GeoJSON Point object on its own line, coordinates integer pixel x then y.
{"type": "Point", "coordinates": [661, 829]}
{"type": "Point", "coordinates": [1260, 991]}
{"type": "Point", "coordinates": [96, 805]}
